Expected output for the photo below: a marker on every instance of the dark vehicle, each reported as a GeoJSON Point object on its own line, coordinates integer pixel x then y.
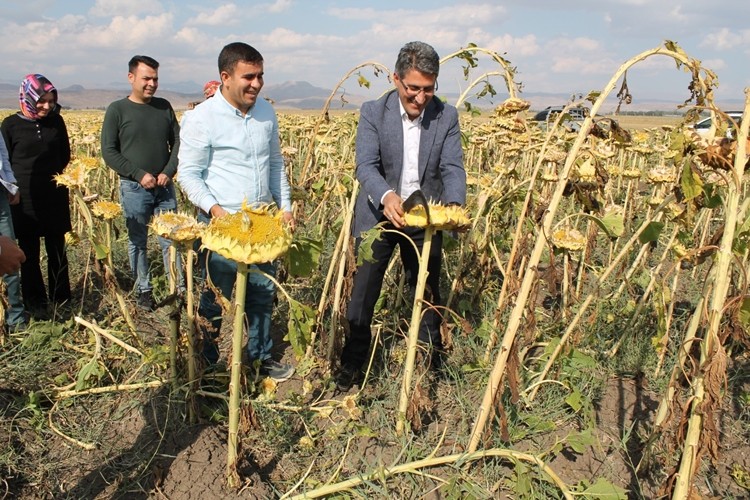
{"type": "Point", "coordinates": [572, 122]}
{"type": "Point", "coordinates": [549, 113]}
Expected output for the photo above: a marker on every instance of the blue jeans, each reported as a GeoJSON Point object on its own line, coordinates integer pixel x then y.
{"type": "Point", "coordinates": [14, 315]}
{"type": "Point", "coordinates": [139, 205]}
{"type": "Point", "coordinates": [258, 306]}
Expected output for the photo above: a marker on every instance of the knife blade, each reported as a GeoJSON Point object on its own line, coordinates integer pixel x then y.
{"type": "Point", "coordinates": [415, 199]}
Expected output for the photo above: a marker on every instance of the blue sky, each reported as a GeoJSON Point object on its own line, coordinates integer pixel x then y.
{"type": "Point", "coordinates": [557, 46]}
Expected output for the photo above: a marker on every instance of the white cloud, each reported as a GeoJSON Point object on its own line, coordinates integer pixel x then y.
{"type": "Point", "coordinates": [278, 6]}
{"type": "Point", "coordinates": [714, 64]}
{"type": "Point", "coordinates": [195, 41]}
{"type": "Point", "coordinates": [725, 39]}
{"type": "Point", "coordinates": [222, 15]}
{"type": "Point", "coordinates": [676, 14]}
{"type": "Point", "coordinates": [581, 65]}
{"type": "Point", "coordinates": [127, 31]}
{"type": "Point", "coordinates": [107, 8]}
{"type": "Point", "coordinates": [513, 46]}
{"type": "Point", "coordinates": [436, 19]}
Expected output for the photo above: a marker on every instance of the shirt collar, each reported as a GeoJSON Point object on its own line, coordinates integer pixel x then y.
{"type": "Point", "coordinates": [230, 106]}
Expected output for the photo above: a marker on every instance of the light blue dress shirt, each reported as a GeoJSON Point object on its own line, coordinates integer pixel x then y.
{"type": "Point", "coordinates": [226, 158]}
{"type": "Point", "coordinates": [7, 179]}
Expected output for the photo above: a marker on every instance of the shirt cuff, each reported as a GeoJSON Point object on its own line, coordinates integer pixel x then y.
{"type": "Point", "coordinates": [382, 198]}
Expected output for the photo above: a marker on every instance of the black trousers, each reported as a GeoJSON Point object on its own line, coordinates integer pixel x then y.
{"type": "Point", "coordinates": [368, 281]}
{"type": "Point", "coordinates": [32, 285]}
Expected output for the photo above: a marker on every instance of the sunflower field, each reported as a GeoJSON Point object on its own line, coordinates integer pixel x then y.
{"type": "Point", "coordinates": [596, 316]}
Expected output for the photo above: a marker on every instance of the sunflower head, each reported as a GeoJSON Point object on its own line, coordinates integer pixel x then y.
{"type": "Point", "coordinates": [442, 217]}
{"type": "Point", "coordinates": [75, 174]}
{"type": "Point", "coordinates": [250, 235]}
{"type": "Point", "coordinates": [662, 175]}
{"type": "Point", "coordinates": [512, 105]}
{"type": "Point", "coordinates": [107, 210]}
{"type": "Point", "coordinates": [178, 227]}
{"type": "Point", "coordinates": [568, 239]}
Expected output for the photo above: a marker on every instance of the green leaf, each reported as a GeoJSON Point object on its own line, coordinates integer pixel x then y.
{"type": "Point", "coordinates": [690, 182]}
{"type": "Point", "coordinates": [523, 475]}
{"type": "Point", "coordinates": [744, 314]}
{"type": "Point", "coordinates": [303, 256]}
{"type": "Point", "coordinates": [579, 441]}
{"type": "Point", "coordinates": [651, 233]}
{"type": "Point", "coordinates": [300, 325]}
{"type": "Point", "coordinates": [712, 196]}
{"type": "Point", "coordinates": [575, 400]}
{"type": "Point", "coordinates": [364, 251]}
{"type": "Point", "coordinates": [593, 96]}
{"type": "Point", "coordinates": [612, 223]}
{"type": "Point", "coordinates": [603, 489]}
{"type": "Point", "coordinates": [101, 251]}
{"type": "Point", "coordinates": [365, 431]}
{"type": "Point", "coordinates": [363, 82]}
{"type": "Point", "coordinates": [579, 360]}
{"type": "Point", "coordinates": [89, 374]}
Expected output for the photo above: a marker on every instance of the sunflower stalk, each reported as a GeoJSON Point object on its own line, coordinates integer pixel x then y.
{"type": "Point", "coordinates": [530, 277]}
{"type": "Point", "coordinates": [413, 467]}
{"type": "Point", "coordinates": [712, 350]}
{"type": "Point", "coordinates": [174, 316]}
{"type": "Point", "coordinates": [192, 330]}
{"type": "Point", "coordinates": [589, 299]}
{"type": "Point", "coordinates": [236, 371]}
{"type": "Point", "coordinates": [411, 346]}
{"type": "Point", "coordinates": [109, 275]}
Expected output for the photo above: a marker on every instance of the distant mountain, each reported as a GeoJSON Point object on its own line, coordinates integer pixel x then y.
{"type": "Point", "coordinates": [302, 95]}
{"type": "Point", "coordinates": [188, 87]}
{"type": "Point", "coordinates": [287, 95]}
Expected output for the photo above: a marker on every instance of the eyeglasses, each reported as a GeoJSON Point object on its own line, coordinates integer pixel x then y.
{"type": "Point", "coordinates": [414, 91]}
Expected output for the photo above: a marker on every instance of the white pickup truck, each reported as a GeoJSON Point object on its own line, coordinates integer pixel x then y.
{"type": "Point", "coordinates": [702, 126]}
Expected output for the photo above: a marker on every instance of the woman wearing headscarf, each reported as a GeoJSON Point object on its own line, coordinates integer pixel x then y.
{"type": "Point", "coordinates": [39, 148]}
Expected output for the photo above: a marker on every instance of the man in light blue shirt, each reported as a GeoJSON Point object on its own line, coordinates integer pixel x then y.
{"type": "Point", "coordinates": [230, 153]}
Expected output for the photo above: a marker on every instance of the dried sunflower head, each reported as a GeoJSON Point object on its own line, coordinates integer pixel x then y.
{"type": "Point", "coordinates": [631, 173]}
{"type": "Point", "coordinates": [442, 217]}
{"type": "Point", "coordinates": [72, 238]}
{"type": "Point", "coordinates": [107, 210]}
{"type": "Point", "coordinates": [250, 235]}
{"type": "Point", "coordinates": [662, 174]}
{"type": "Point", "coordinates": [75, 174]}
{"type": "Point", "coordinates": [568, 239]}
{"type": "Point", "coordinates": [512, 105]}
{"type": "Point", "coordinates": [176, 226]}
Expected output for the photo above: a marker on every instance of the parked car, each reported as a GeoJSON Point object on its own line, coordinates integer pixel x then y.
{"type": "Point", "coordinates": [702, 126]}
{"type": "Point", "coordinates": [575, 115]}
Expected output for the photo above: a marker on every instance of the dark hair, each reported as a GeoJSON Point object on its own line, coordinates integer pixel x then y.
{"type": "Point", "coordinates": [136, 60]}
{"type": "Point", "coordinates": [418, 56]}
{"type": "Point", "coordinates": [236, 52]}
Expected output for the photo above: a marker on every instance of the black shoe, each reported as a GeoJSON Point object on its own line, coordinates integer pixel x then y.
{"type": "Point", "coordinates": [19, 327]}
{"type": "Point", "coordinates": [146, 301]}
{"type": "Point", "coordinates": [275, 370]}
{"type": "Point", "coordinates": [348, 376]}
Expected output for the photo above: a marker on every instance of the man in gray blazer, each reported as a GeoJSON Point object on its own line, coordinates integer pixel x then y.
{"type": "Point", "coordinates": [406, 140]}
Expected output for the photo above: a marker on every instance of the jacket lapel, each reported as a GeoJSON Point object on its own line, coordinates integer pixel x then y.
{"type": "Point", "coordinates": [427, 137]}
{"type": "Point", "coordinates": [394, 146]}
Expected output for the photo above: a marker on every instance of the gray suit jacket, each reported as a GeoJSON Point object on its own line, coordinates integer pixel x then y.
{"type": "Point", "coordinates": [380, 151]}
